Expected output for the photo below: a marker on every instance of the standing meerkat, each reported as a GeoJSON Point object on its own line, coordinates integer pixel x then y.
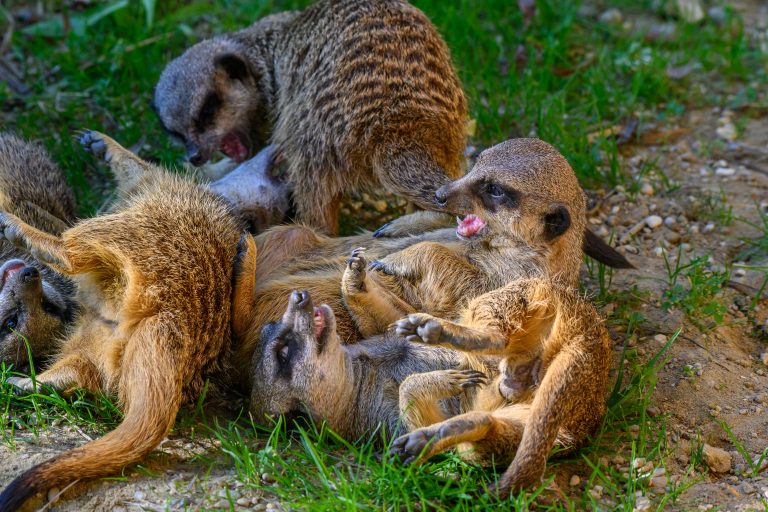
{"type": "Point", "coordinates": [154, 277]}
{"type": "Point", "coordinates": [36, 303]}
{"type": "Point", "coordinates": [353, 94]}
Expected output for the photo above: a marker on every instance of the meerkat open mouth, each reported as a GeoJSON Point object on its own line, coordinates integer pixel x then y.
{"type": "Point", "coordinates": [470, 226]}
{"type": "Point", "coordinates": [10, 267]}
{"type": "Point", "coordinates": [324, 323]}
{"type": "Point", "coordinates": [319, 321]}
{"type": "Point", "coordinates": [233, 147]}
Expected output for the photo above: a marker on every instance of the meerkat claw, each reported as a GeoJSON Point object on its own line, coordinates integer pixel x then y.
{"type": "Point", "coordinates": [410, 447]}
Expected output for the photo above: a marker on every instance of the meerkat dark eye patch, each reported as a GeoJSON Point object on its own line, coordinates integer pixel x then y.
{"type": "Point", "coordinates": [493, 195]}
{"type": "Point", "coordinates": [234, 65]}
{"type": "Point", "coordinates": [556, 222]}
{"type": "Point", "coordinates": [207, 112]}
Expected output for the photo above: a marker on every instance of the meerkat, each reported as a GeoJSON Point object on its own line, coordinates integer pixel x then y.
{"type": "Point", "coordinates": [155, 278]}
{"type": "Point", "coordinates": [506, 289]}
{"type": "Point", "coordinates": [555, 356]}
{"type": "Point", "coordinates": [353, 94]}
{"type": "Point", "coordinates": [521, 215]}
{"type": "Point", "coordinates": [302, 367]}
{"type": "Point", "coordinates": [36, 303]}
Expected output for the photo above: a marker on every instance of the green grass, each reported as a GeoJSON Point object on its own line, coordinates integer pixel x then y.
{"type": "Point", "coordinates": [561, 76]}
{"type": "Point", "coordinates": [572, 76]}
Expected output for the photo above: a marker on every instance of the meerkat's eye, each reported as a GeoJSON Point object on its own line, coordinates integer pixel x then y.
{"type": "Point", "coordinates": [207, 111]}
{"type": "Point", "coordinates": [11, 322]}
{"type": "Point", "coordinates": [494, 190]}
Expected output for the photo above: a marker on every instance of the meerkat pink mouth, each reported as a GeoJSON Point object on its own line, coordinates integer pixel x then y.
{"type": "Point", "coordinates": [319, 321]}
{"type": "Point", "coordinates": [10, 267]}
{"type": "Point", "coordinates": [234, 148]}
{"type": "Point", "coordinates": [470, 226]}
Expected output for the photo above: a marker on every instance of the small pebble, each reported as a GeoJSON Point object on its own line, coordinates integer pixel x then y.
{"type": "Point", "coordinates": [647, 189]}
{"type": "Point", "coordinates": [670, 220]}
{"type": "Point", "coordinates": [717, 459]}
{"type": "Point", "coordinates": [653, 221]}
{"type": "Point", "coordinates": [139, 495]}
{"type": "Point", "coordinates": [575, 480]}
{"type": "Point", "coordinates": [725, 171]}
{"type": "Point", "coordinates": [243, 502]}
{"type": "Point", "coordinates": [764, 358]}
{"type": "Point", "coordinates": [611, 17]}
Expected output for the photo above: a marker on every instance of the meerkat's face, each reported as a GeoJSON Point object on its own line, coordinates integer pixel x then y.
{"type": "Point", "coordinates": [32, 312]}
{"type": "Point", "coordinates": [492, 205]}
{"type": "Point", "coordinates": [290, 351]}
{"type": "Point", "coordinates": [209, 100]}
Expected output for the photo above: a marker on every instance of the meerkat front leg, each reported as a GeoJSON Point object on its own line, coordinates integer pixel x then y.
{"type": "Point", "coordinates": [128, 168]}
{"type": "Point", "coordinates": [498, 432]}
{"type": "Point", "coordinates": [415, 224]}
{"type": "Point", "coordinates": [419, 394]}
{"type": "Point", "coordinates": [46, 248]}
{"type": "Point", "coordinates": [372, 306]}
{"type": "Point", "coordinates": [512, 321]}
{"type": "Point", "coordinates": [73, 371]}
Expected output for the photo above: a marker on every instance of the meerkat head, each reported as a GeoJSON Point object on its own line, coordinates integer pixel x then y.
{"type": "Point", "coordinates": [209, 98]}
{"type": "Point", "coordinates": [522, 190]}
{"type": "Point", "coordinates": [291, 353]}
{"type": "Point", "coordinates": [32, 312]}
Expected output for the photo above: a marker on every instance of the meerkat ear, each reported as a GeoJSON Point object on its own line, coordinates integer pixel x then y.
{"type": "Point", "coordinates": [243, 285]}
{"type": "Point", "coordinates": [234, 65]}
{"type": "Point", "coordinates": [556, 221]}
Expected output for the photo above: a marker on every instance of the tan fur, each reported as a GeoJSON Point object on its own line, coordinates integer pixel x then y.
{"type": "Point", "coordinates": [298, 258]}
{"type": "Point", "coordinates": [558, 339]}
{"type": "Point", "coordinates": [302, 367]}
{"type": "Point", "coordinates": [155, 278]}
{"type": "Point", "coordinates": [354, 94]}
{"type": "Point", "coordinates": [35, 302]}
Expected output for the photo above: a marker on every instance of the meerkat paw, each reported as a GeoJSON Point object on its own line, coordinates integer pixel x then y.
{"type": "Point", "coordinates": [22, 385]}
{"type": "Point", "coordinates": [9, 229]}
{"type": "Point", "coordinates": [420, 327]}
{"type": "Point", "coordinates": [353, 280]}
{"type": "Point", "coordinates": [94, 143]}
{"type": "Point", "coordinates": [414, 445]}
{"type": "Point", "coordinates": [458, 381]}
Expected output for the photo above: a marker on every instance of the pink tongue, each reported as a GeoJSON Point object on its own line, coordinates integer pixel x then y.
{"type": "Point", "coordinates": [319, 320]}
{"type": "Point", "coordinates": [470, 225]}
{"type": "Point", "coordinates": [233, 148]}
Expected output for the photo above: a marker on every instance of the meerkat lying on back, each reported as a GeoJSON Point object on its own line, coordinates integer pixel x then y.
{"type": "Point", "coordinates": [302, 367]}
{"type": "Point", "coordinates": [353, 94]}
{"type": "Point", "coordinates": [154, 278]}
{"type": "Point", "coordinates": [36, 303]}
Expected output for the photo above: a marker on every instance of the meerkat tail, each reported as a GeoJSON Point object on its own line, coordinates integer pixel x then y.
{"type": "Point", "coordinates": [597, 249]}
{"type": "Point", "coordinates": [152, 399]}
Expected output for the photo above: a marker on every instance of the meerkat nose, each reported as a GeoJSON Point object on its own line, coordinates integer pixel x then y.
{"type": "Point", "coordinates": [299, 298]}
{"type": "Point", "coordinates": [441, 196]}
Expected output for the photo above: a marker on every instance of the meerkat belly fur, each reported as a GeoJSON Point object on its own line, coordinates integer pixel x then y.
{"type": "Point", "coordinates": [36, 303]}
{"type": "Point", "coordinates": [353, 94]}
{"type": "Point", "coordinates": [155, 281]}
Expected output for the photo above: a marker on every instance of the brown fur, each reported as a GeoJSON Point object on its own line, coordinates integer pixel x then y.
{"type": "Point", "coordinates": [35, 302]}
{"type": "Point", "coordinates": [297, 258]}
{"type": "Point", "coordinates": [558, 341]}
{"type": "Point", "coordinates": [354, 94]}
{"type": "Point", "coordinates": [508, 293]}
{"type": "Point", "coordinates": [155, 280]}
{"type": "Point", "coordinates": [302, 367]}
